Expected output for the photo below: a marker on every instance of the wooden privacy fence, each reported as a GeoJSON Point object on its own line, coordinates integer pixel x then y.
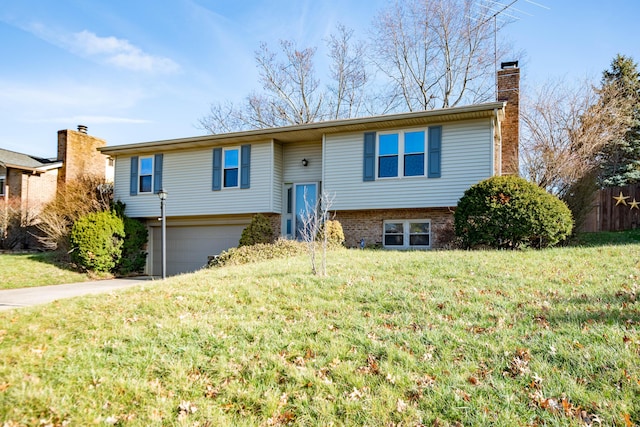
{"type": "Point", "coordinates": [615, 209]}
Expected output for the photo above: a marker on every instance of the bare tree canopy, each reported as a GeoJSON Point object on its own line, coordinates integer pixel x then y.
{"type": "Point", "coordinates": [292, 94]}
{"type": "Point", "coordinates": [435, 53]}
{"type": "Point", "coordinates": [421, 54]}
{"type": "Point", "coordinates": [564, 129]}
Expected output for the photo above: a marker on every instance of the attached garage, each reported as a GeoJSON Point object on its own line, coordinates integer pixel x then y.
{"type": "Point", "coordinates": [188, 247]}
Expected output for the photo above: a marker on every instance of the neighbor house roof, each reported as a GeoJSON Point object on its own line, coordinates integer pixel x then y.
{"type": "Point", "coordinates": [311, 131]}
{"type": "Point", "coordinates": [11, 159]}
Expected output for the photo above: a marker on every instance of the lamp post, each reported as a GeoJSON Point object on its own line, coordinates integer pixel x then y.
{"type": "Point", "coordinates": [163, 217]}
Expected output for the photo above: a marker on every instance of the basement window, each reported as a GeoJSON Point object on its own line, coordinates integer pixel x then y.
{"type": "Point", "coordinates": [407, 234]}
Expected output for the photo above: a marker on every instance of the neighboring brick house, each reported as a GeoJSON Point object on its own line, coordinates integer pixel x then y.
{"type": "Point", "coordinates": [396, 179]}
{"type": "Point", "coordinates": [30, 182]}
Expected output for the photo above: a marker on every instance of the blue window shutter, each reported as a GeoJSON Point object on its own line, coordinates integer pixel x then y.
{"type": "Point", "coordinates": [435, 151]}
{"type": "Point", "coordinates": [245, 164]}
{"type": "Point", "coordinates": [369, 166]}
{"type": "Point", "coordinates": [133, 184]}
{"type": "Point", "coordinates": [217, 169]}
{"type": "Point", "coordinates": [157, 173]}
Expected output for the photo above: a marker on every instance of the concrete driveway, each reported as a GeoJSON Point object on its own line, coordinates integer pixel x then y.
{"type": "Point", "coordinates": [24, 297]}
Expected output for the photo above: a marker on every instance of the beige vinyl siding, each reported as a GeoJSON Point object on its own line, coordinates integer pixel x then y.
{"type": "Point", "coordinates": [466, 159]}
{"type": "Point", "coordinates": [293, 155]}
{"type": "Point", "coordinates": [187, 177]}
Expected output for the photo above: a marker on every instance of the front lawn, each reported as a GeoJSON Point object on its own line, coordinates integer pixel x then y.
{"type": "Point", "coordinates": [40, 269]}
{"type": "Point", "coordinates": [498, 338]}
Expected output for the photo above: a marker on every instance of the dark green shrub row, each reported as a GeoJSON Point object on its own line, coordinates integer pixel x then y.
{"type": "Point", "coordinates": [281, 248]}
{"type": "Point", "coordinates": [510, 212]}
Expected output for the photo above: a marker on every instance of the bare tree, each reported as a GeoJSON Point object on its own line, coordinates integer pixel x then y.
{"type": "Point", "coordinates": [349, 74]}
{"type": "Point", "coordinates": [73, 200]}
{"type": "Point", "coordinates": [292, 93]}
{"type": "Point", "coordinates": [16, 221]}
{"type": "Point", "coordinates": [311, 229]}
{"type": "Point", "coordinates": [436, 53]}
{"type": "Point", "coordinates": [564, 130]}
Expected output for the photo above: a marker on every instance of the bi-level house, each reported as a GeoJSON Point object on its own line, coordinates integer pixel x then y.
{"type": "Point", "coordinates": [395, 179]}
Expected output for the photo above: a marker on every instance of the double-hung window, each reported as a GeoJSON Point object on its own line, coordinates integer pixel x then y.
{"type": "Point", "coordinates": [414, 153]}
{"type": "Point", "coordinates": [407, 234]}
{"type": "Point", "coordinates": [388, 155]}
{"type": "Point", "coordinates": [231, 167]}
{"type": "Point", "coordinates": [3, 181]}
{"type": "Point", "coordinates": [401, 154]}
{"type": "Point", "coordinates": [145, 175]}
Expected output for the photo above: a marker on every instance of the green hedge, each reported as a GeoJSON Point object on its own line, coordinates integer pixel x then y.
{"type": "Point", "coordinates": [510, 212]}
{"type": "Point", "coordinates": [96, 241]}
{"type": "Point", "coordinates": [281, 248]}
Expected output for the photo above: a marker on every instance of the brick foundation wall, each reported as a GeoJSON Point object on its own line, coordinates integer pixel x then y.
{"type": "Point", "coordinates": [509, 91]}
{"type": "Point", "coordinates": [368, 224]}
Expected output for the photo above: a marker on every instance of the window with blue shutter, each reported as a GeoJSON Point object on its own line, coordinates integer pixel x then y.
{"type": "Point", "coordinates": [133, 177]}
{"type": "Point", "coordinates": [157, 173]}
{"type": "Point", "coordinates": [145, 175]}
{"type": "Point", "coordinates": [435, 151]}
{"type": "Point", "coordinates": [245, 164]}
{"type": "Point", "coordinates": [369, 167]}
{"type": "Point", "coordinates": [217, 169]}
{"type": "Point", "coordinates": [231, 167]}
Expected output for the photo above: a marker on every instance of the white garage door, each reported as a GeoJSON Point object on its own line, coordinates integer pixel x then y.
{"type": "Point", "coordinates": [189, 247]}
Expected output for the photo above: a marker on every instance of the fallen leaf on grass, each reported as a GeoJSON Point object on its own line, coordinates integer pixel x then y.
{"type": "Point", "coordinates": [473, 380]}
{"type": "Point", "coordinates": [401, 406]}
{"type": "Point", "coordinates": [627, 420]}
{"type": "Point", "coordinates": [519, 364]}
{"type": "Point", "coordinates": [185, 408]}
{"type": "Point", "coordinates": [463, 395]}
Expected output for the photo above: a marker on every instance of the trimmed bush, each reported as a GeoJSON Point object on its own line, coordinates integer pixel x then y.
{"type": "Point", "coordinates": [134, 256]}
{"type": "Point", "coordinates": [281, 248]}
{"type": "Point", "coordinates": [96, 241]}
{"type": "Point", "coordinates": [335, 234]}
{"type": "Point", "coordinates": [258, 231]}
{"type": "Point", "coordinates": [510, 212]}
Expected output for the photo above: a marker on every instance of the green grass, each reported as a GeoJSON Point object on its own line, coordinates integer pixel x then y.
{"type": "Point", "coordinates": [28, 270]}
{"type": "Point", "coordinates": [497, 338]}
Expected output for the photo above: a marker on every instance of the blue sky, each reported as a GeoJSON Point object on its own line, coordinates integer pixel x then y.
{"type": "Point", "coordinates": [134, 70]}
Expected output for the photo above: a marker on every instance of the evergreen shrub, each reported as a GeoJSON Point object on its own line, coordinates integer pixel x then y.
{"type": "Point", "coordinates": [134, 256]}
{"type": "Point", "coordinates": [259, 230]}
{"type": "Point", "coordinates": [510, 212]}
{"type": "Point", "coordinates": [335, 234]}
{"type": "Point", "coordinates": [96, 241]}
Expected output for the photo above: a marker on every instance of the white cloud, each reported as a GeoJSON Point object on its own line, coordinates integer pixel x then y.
{"type": "Point", "coordinates": [111, 50]}
{"type": "Point", "coordinates": [120, 53]}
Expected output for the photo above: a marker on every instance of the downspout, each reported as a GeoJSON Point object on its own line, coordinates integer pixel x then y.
{"type": "Point", "coordinates": [497, 135]}
{"type": "Point", "coordinates": [324, 149]}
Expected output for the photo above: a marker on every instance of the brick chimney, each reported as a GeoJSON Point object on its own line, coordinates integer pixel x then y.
{"type": "Point", "coordinates": [79, 155]}
{"type": "Point", "coordinates": [509, 91]}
